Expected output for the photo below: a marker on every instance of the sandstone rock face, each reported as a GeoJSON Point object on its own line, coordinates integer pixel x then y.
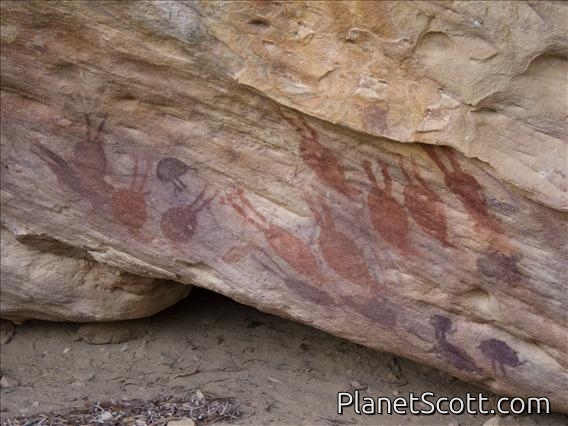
{"type": "Point", "coordinates": [53, 286]}
{"type": "Point", "coordinates": [467, 76]}
{"type": "Point", "coordinates": [157, 138]}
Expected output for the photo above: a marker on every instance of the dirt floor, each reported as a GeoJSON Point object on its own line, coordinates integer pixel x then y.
{"type": "Point", "coordinates": [281, 373]}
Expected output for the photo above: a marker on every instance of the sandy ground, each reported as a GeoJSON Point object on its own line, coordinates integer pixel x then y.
{"type": "Point", "coordinates": [282, 373]}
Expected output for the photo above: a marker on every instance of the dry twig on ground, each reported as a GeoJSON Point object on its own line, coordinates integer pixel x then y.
{"type": "Point", "coordinates": [200, 407]}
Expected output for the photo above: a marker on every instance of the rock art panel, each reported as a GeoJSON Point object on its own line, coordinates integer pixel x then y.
{"type": "Point", "coordinates": [66, 175]}
{"type": "Point", "coordinates": [498, 266]}
{"type": "Point", "coordinates": [454, 355]}
{"type": "Point", "coordinates": [442, 326]}
{"type": "Point", "coordinates": [285, 245]}
{"type": "Point", "coordinates": [338, 249]}
{"type": "Point", "coordinates": [465, 186]}
{"type": "Point", "coordinates": [425, 206]}
{"type": "Point", "coordinates": [305, 290]}
{"type": "Point", "coordinates": [379, 309]}
{"type": "Point", "coordinates": [426, 72]}
{"type": "Point", "coordinates": [500, 354]}
{"type": "Point", "coordinates": [89, 154]}
{"type": "Point", "coordinates": [323, 162]}
{"type": "Point", "coordinates": [382, 241]}
{"type": "Point", "coordinates": [129, 204]}
{"type": "Point", "coordinates": [84, 174]}
{"type": "Point", "coordinates": [178, 224]}
{"type": "Point", "coordinates": [170, 170]}
{"type": "Point", "coordinates": [388, 216]}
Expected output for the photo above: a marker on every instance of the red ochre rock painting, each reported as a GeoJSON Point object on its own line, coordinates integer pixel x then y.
{"type": "Point", "coordinates": [377, 308]}
{"type": "Point", "coordinates": [464, 185]}
{"type": "Point", "coordinates": [129, 204]}
{"type": "Point", "coordinates": [66, 175]}
{"type": "Point", "coordinates": [320, 159]}
{"type": "Point", "coordinates": [306, 291]}
{"type": "Point", "coordinates": [89, 154]}
{"type": "Point", "coordinates": [286, 245]}
{"type": "Point", "coordinates": [388, 216]}
{"type": "Point", "coordinates": [90, 162]}
{"type": "Point", "coordinates": [235, 254]}
{"type": "Point", "coordinates": [178, 224]}
{"type": "Point", "coordinates": [424, 205]}
{"type": "Point", "coordinates": [85, 174]}
{"type": "Point", "coordinates": [338, 250]}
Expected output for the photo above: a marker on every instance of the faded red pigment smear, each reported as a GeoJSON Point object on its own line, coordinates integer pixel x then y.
{"type": "Point", "coordinates": [501, 354]}
{"type": "Point", "coordinates": [374, 119]}
{"type": "Point", "coordinates": [85, 176]}
{"type": "Point", "coordinates": [498, 266]}
{"type": "Point", "coordinates": [388, 216]}
{"type": "Point", "coordinates": [66, 175]}
{"type": "Point", "coordinates": [285, 244]}
{"type": "Point", "coordinates": [178, 224]}
{"type": "Point", "coordinates": [424, 205]}
{"type": "Point", "coordinates": [89, 154]}
{"type": "Point", "coordinates": [90, 161]}
{"type": "Point", "coordinates": [304, 290]}
{"type": "Point", "coordinates": [377, 308]}
{"type": "Point", "coordinates": [129, 205]}
{"type": "Point", "coordinates": [464, 185]}
{"type": "Point", "coordinates": [456, 357]}
{"type": "Point", "coordinates": [235, 254]}
{"type": "Point", "coordinates": [320, 159]}
{"type": "Point", "coordinates": [85, 172]}
{"type": "Point", "coordinates": [338, 250]}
